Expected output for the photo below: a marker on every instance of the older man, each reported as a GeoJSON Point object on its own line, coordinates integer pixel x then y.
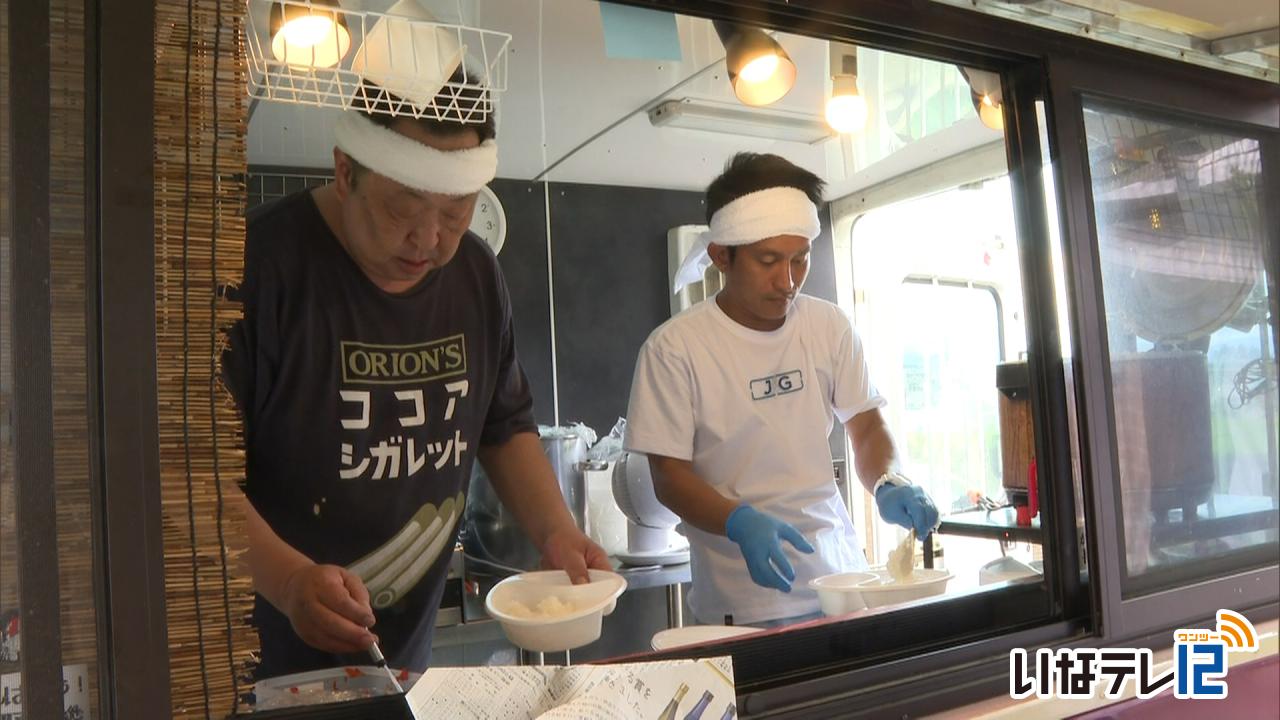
{"type": "Point", "coordinates": [376, 361]}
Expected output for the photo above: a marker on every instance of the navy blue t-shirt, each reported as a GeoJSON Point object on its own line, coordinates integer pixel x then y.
{"type": "Point", "coordinates": [363, 413]}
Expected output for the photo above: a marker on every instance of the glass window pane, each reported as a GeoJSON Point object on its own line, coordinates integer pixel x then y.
{"type": "Point", "coordinates": [939, 308]}
{"type": "Point", "coordinates": [71, 401]}
{"type": "Point", "coordinates": [949, 420]}
{"type": "Point", "coordinates": [69, 297]}
{"type": "Point", "coordinates": [913, 99]}
{"type": "Point", "coordinates": [1192, 352]}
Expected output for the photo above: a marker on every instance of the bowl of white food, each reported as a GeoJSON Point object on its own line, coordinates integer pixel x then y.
{"type": "Point", "coordinates": [886, 590]}
{"type": "Point", "coordinates": [544, 612]}
{"type": "Point", "coordinates": [900, 581]}
{"type": "Point", "coordinates": [1006, 568]}
{"type": "Point", "coordinates": [840, 593]}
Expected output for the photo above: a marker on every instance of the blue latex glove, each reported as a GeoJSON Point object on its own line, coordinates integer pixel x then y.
{"type": "Point", "coordinates": [908, 506]}
{"type": "Point", "coordinates": [759, 538]}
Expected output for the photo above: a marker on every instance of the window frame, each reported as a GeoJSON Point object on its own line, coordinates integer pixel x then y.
{"type": "Point", "coordinates": [120, 146]}
{"type": "Point", "coordinates": [123, 439]}
{"type": "Point", "coordinates": [35, 505]}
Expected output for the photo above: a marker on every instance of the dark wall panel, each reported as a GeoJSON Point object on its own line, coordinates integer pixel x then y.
{"type": "Point", "coordinates": [822, 284]}
{"type": "Point", "coordinates": [609, 259]}
{"type": "Point", "coordinates": [822, 263]}
{"type": "Point", "coordinates": [524, 263]}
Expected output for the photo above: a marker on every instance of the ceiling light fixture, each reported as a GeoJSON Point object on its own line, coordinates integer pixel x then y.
{"type": "Point", "coordinates": [760, 71]}
{"type": "Point", "coordinates": [846, 108]}
{"type": "Point", "coordinates": [988, 98]}
{"type": "Point", "coordinates": [733, 119]}
{"type": "Point", "coordinates": [311, 33]}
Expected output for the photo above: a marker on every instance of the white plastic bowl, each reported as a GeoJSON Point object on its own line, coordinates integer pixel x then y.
{"type": "Point", "coordinates": [882, 590]}
{"type": "Point", "coordinates": [337, 684]}
{"type": "Point", "coordinates": [580, 627]}
{"type": "Point", "coordinates": [697, 635]}
{"type": "Point", "coordinates": [838, 594]}
{"type": "Point", "coordinates": [1006, 568]}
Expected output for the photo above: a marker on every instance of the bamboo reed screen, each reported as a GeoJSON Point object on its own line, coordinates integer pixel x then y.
{"type": "Point", "coordinates": [200, 124]}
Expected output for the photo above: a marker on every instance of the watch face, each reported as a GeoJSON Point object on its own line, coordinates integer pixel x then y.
{"type": "Point", "coordinates": [489, 221]}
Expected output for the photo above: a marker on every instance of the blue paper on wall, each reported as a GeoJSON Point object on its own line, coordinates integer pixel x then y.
{"type": "Point", "coordinates": [632, 33]}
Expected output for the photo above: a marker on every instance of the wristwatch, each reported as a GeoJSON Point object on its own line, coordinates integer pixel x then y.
{"type": "Point", "coordinates": [890, 478]}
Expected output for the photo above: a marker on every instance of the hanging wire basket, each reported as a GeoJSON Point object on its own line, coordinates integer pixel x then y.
{"type": "Point", "coordinates": [396, 63]}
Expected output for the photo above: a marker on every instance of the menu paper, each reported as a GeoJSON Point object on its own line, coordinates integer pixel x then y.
{"type": "Point", "coordinates": [631, 691]}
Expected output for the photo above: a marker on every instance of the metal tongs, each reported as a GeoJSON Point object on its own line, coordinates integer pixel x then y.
{"type": "Point", "coordinates": [988, 504]}
{"type": "Point", "coordinates": [380, 661]}
{"type": "Point", "coordinates": [982, 502]}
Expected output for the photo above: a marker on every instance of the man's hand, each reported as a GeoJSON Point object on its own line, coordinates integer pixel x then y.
{"type": "Point", "coordinates": [329, 608]}
{"type": "Point", "coordinates": [572, 551]}
{"type": "Point", "coordinates": [908, 506]}
{"type": "Point", "coordinates": [760, 537]}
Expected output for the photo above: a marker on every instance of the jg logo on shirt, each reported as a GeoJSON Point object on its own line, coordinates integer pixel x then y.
{"type": "Point", "coordinates": [775, 385]}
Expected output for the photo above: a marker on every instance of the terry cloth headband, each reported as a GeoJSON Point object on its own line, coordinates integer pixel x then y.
{"type": "Point", "coordinates": [412, 164]}
{"type": "Point", "coordinates": [751, 218]}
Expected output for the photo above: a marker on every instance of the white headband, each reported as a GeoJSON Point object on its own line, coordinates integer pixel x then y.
{"type": "Point", "coordinates": [751, 218]}
{"type": "Point", "coordinates": [412, 164]}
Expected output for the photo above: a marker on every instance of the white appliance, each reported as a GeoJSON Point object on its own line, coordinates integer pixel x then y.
{"type": "Point", "coordinates": [651, 535]}
{"type": "Point", "coordinates": [606, 525]}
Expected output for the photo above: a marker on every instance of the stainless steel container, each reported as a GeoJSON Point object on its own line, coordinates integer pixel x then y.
{"type": "Point", "coordinates": [490, 531]}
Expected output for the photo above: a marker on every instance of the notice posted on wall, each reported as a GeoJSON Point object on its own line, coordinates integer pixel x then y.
{"type": "Point", "coordinates": [75, 694]}
{"type": "Point", "coordinates": [659, 690]}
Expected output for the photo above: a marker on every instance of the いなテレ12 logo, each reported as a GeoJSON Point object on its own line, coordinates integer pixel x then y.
{"type": "Point", "coordinates": [1199, 669]}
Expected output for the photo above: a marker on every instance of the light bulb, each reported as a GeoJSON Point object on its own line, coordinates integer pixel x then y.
{"type": "Point", "coordinates": [991, 113]}
{"type": "Point", "coordinates": [307, 31]}
{"type": "Point", "coordinates": [311, 39]}
{"type": "Point", "coordinates": [847, 113]}
{"type": "Point", "coordinates": [760, 69]}
{"type": "Point", "coordinates": [846, 108]}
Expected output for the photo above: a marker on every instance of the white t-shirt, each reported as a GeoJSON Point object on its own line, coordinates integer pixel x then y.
{"type": "Point", "coordinates": [753, 410]}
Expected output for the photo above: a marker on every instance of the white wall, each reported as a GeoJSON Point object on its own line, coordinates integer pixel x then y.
{"type": "Point", "coordinates": [562, 87]}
